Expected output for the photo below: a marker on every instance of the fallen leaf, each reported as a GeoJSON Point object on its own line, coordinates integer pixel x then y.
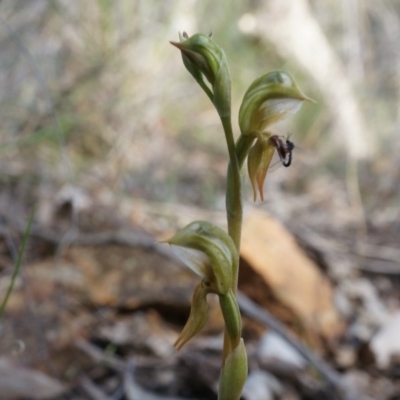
{"type": "Point", "coordinates": [295, 280]}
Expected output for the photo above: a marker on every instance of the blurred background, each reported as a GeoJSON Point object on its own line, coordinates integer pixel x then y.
{"type": "Point", "coordinates": [99, 117]}
{"type": "Point", "coordinates": [94, 95]}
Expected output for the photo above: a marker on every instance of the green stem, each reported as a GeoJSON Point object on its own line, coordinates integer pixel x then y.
{"type": "Point", "coordinates": [234, 207]}
{"type": "Point", "coordinates": [234, 211]}
{"type": "Point", "coordinates": [18, 263]}
{"type": "Point", "coordinates": [243, 146]}
{"type": "Point", "coordinates": [233, 321]}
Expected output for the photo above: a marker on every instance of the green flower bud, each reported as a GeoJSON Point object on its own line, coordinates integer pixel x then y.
{"type": "Point", "coordinates": [197, 317]}
{"type": "Point", "coordinates": [258, 161]}
{"type": "Point", "coordinates": [203, 57]}
{"type": "Point", "coordinates": [269, 99]}
{"type": "Point", "coordinates": [209, 251]}
{"type": "Point", "coordinates": [231, 313]}
{"type": "Point", "coordinates": [191, 67]}
{"type": "Point", "coordinates": [201, 53]}
{"type": "Point", "coordinates": [233, 374]}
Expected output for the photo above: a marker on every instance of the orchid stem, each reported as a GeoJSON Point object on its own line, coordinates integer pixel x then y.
{"type": "Point", "coordinates": [234, 209]}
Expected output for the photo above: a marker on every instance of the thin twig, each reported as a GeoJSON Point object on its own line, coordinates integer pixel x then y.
{"type": "Point", "coordinates": [378, 252]}
{"type": "Point", "coordinates": [92, 390]}
{"type": "Point", "coordinates": [380, 268]}
{"type": "Point", "coordinates": [121, 238]}
{"type": "Point", "coordinates": [384, 259]}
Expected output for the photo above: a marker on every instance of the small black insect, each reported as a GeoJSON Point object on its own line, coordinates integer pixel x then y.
{"type": "Point", "coordinates": [284, 149]}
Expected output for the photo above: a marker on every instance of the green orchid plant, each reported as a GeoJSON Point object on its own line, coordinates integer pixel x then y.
{"type": "Point", "coordinates": [207, 249]}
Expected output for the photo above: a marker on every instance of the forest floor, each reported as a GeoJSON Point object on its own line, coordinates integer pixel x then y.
{"type": "Point", "coordinates": [99, 302]}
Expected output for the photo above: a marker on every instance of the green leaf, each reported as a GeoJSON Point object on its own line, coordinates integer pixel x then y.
{"type": "Point", "coordinates": [233, 374]}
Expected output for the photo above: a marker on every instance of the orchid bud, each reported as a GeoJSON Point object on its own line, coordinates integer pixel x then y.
{"type": "Point", "coordinates": [203, 57]}
{"type": "Point", "coordinates": [191, 67]}
{"type": "Point", "coordinates": [197, 317]}
{"type": "Point", "coordinates": [258, 161]}
{"type": "Point", "coordinates": [269, 99]}
{"type": "Point", "coordinates": [233, 374]}
{"type": "Point", "coordinates": [209, 251]}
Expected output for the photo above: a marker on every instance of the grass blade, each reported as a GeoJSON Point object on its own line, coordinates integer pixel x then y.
{"type": "Point", "coordinates": [18, 262]}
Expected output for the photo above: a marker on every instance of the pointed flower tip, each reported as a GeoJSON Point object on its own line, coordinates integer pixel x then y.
{"type": "Point", "coordinates": [306, 98]}
{"type": "Point", "coordinates": [310, 99]}
{"type": "Point", "coordinates": [167, 240]}
{"type": "Point", "coordinates": [177, 44]}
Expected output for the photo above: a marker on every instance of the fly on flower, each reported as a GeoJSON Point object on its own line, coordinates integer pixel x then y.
{"type": "Point", "coordinates": [260, 157]}
{"type": "Point", "coordinates": [284, 149]}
